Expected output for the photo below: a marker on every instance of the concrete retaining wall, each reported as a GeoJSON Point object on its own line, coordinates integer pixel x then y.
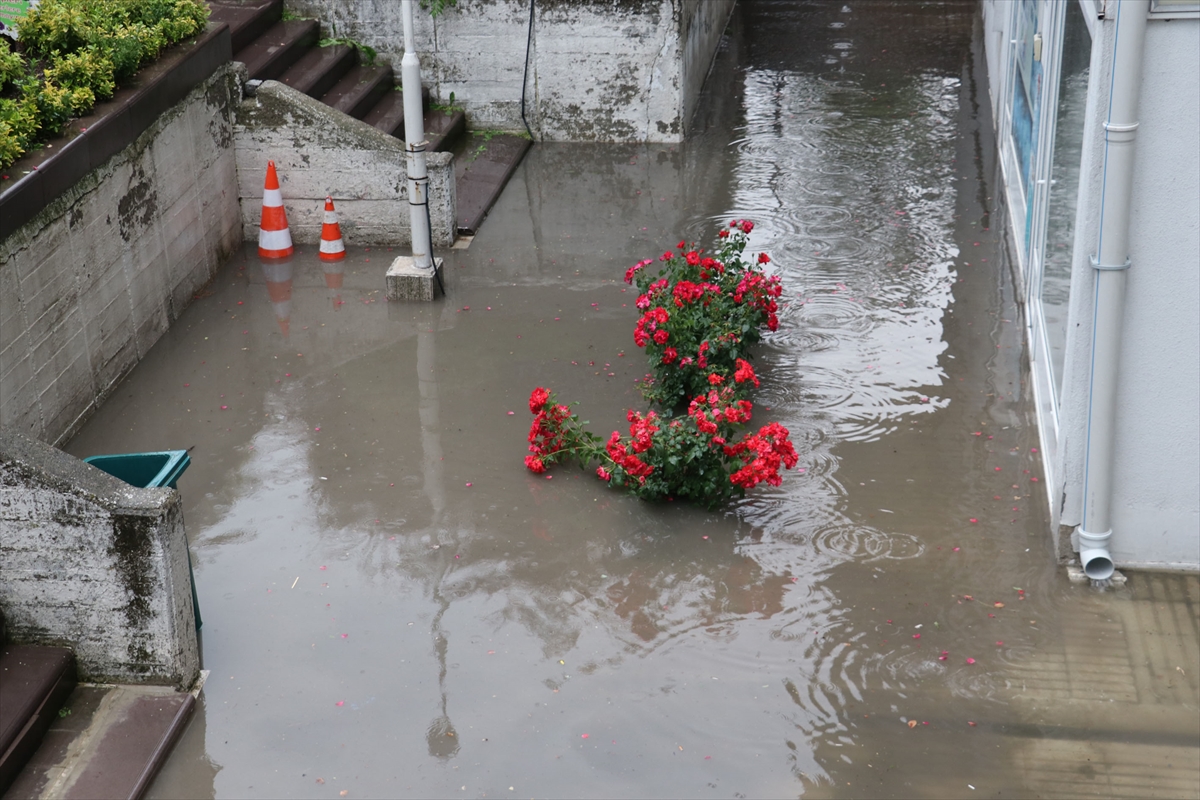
{"type": "Point", "coordinates": [94, 279]}
{"type": "Point", "coordinates": [599, 70]}
{"type": "Point", "coordinates": [91, 563]}
{"type": "Point", "coordinates": [319, 151]}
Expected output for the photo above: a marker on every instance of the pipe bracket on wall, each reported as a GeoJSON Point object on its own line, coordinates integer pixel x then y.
{"type": "Point", "coordinates": [1110, 267]}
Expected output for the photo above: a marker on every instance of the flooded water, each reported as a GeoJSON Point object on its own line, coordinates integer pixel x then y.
{"type": "Point", "coordinates": [394, 607]}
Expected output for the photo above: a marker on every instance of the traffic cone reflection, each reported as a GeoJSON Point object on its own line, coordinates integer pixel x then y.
{"type": "Point", "coordinates": [278, 273]}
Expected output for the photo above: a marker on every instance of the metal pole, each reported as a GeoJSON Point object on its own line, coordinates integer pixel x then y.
{"type": "Point", "coordinates": [1111, 264]}
{"type": "Point", "coordinates": [414, 146]}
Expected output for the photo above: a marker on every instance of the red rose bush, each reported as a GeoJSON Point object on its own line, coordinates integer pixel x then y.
{"type": "Point", "coordinates": [698, 315]}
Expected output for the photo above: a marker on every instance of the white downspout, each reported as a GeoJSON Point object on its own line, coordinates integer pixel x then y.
{"type": "Point", "coordinates": [1111, 263]}
{"type": "Point", "coordinates": [414, 146]}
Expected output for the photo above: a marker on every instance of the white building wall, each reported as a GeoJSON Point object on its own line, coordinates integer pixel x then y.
{"type": "Point", "coordinates": [1156, 506]}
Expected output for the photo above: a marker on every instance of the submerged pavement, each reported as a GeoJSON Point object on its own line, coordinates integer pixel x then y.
{"type": "Point", "coordinates": [394, 607]}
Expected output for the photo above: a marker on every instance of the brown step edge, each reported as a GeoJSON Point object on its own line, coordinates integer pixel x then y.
{"type": "Point", "coordinates": [359, 89]}
{"type": "Point", "coordinates": [480, 177]}
{"type": "Point", "coordinates": [35, 682]}
{"type": "Point", "coordinates": [247, 19]}
{"type": "Point", "coordinates": [269, 56]}
{"type": "Point", "coordinates": [388, 114]}
{"type": "Point", "coordinates": [319, 69]}
{"type": "Point", "coordinates": [111, 744]}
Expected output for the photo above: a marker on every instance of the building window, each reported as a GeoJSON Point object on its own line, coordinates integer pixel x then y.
{"type": "Point", "coordinates": [1064, 186]}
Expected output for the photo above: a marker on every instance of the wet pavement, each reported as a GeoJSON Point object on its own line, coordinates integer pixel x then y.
{"type": "Point", "coordinates": [394, 607]}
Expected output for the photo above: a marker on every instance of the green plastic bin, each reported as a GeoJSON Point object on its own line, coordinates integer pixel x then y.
{"type": "Point", "coordinates": [151, 471]}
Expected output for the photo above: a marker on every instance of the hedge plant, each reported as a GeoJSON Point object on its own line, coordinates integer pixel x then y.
{"type": "Point", "coordinates": [72, 53]}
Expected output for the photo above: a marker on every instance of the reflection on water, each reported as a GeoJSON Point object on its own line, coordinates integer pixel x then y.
{"type": "Point", "coordinates": [395, 607]}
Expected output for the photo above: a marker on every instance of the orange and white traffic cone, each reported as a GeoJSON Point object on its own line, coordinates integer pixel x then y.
{"type": "Point", "coordinates": [332, 246]}
{"type": "Point", "coordinates": [274, 238]}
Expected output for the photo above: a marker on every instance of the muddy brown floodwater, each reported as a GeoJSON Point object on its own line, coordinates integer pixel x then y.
{"type": "Point", "coordinates": [394, 607]}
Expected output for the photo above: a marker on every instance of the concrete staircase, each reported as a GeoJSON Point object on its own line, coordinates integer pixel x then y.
{"type": "Point", "coordinates": [273, 48]}
{"type": "Point", "coordinates": [67, 741]}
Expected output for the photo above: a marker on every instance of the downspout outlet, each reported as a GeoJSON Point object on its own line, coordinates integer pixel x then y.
{"type": "Point", "coordinates": [1094, 557]}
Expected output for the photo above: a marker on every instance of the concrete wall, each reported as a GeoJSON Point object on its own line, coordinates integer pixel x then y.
{"type": "Point", "coordinates": [319, 151]}
{"type": "Point", "coordinates": [92, 282]}
{"type": "Point", "coordinates": [599, 70]}
{"type": "Point", "coordinates": [91, 563]}
{"type": "Point", "coordinates": [1156, 506]}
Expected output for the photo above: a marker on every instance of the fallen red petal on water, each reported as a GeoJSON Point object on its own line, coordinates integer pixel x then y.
{"type": "Point", "coordinates": [511, 413]}
{"type": "Point", "coordinates": [998, 605]}
{"type": "Point", "coordinates": [468, 484]}
{"type": "Point", "coordinates": [970, 661]}
{"type": "Point", "coordinates": [977, 433]}
{"type": "Point", "coordinates": [889, 622]}
{"type": "Point", "coordinates": [584, 736]}
{"type": "Point", "coordinates": [998, 469]}
{"type": "Point", "coordinates": [912, 723]}
{"type": "Point", "coordinates": [942, 658]}
{"type": "Point", "coordinates": [317, 428]}
{"type": "Point", "coordinates": [340, 703]}
{"type": "Point", "coordinates": [345, 636]}
{"type": "Point", "coordinates": [708, 758]}
{"type": "Point", "coordinates": [992, 615]}
{"type": "Point", "coordinates": [999, 644]}
{"type": "Point", "coordinates": [916, 636]}
{"type": "Point", "coordinates": [972, 724]}
{"type": "Point", "coordinates": [324, 567]}
{"type": "Point", "coordinates": [973, 519]}
{"type": "Point", "coordinates": [957, 549]}
{"type": "Point", "coordinates": [968, 597]}
{"type": "Point", "coordinates": [224, 408]}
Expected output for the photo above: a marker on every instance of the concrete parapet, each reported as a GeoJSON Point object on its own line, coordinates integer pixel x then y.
{"type": "Point", "coordinates": [94, 564]}
{"type": "Point", "coordinates": [320, 151]}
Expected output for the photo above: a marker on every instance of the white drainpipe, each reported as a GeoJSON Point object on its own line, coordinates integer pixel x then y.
{"type": "Point", "coordinates": [414, 145]}
{"type": "Point", "coordinates": [1111, 263]}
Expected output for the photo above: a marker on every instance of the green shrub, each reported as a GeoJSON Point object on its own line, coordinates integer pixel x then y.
{"type": "Point", "coordinates": [18, 128]}
{"type": "Point", "coordinates": [75, 51]}
{"type": "Point", "coordinates": [89, 68]}
{"type": "Point", "coordinates": [12, 67]}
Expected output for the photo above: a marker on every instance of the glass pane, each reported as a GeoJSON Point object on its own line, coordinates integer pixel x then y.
{"type": "Point", "coordinates": [1064, 187]}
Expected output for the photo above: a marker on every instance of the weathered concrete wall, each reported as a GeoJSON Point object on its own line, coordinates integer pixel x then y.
{"type": "Point", "coordinates": [701, 25]}
{"type": "Point", "coordinates": [92, 282]}
{"type": "Point", "coordinates": [319, 151]}
{"type": "Point", "coordinates": [94, 564]}
{"type": "Point", "coordinates": [599, 70]}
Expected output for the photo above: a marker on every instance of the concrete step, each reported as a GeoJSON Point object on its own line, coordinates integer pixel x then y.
{"type": "Point", "coordinates": [34, 684]}
{"type": "Point", "coordinates": [444, 129]}
{"type": "Point", "coordinates": [248, 19]}
{"type": "Point", "coordinates": [111, 744]}
{"type": "Point", "coordinates": [359, 89]}
{"type": "Point", "coordinates": [270, 55]}
{"type": "Point", "coordinates": [388, 114]}
{"type": "Point", "coordinates": [481, 170]}
{"type": "Point", "coordinates": [316, 72]}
